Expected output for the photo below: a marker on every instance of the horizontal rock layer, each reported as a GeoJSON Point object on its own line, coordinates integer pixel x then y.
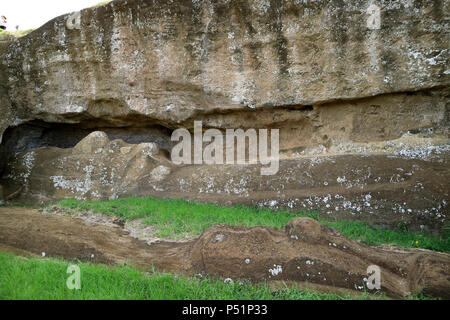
{"type": "Point", "coordinates": [359, 91]}
{"type": "Point", "coordinates": [408, 185]}
{"type": "Point", "coordinates": [169, 62]}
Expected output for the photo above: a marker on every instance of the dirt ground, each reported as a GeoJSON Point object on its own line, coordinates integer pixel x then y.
{"type": "Point", "coordinates": [72, 238]}
{"type": "Point", "coordinates": [304, 252]}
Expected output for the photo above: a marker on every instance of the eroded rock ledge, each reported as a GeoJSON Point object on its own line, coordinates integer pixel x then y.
{"type": "Point", "coordinates": [359, 92]}
{"type": "Point", "coordinates": [175, 61]}
{"type": "Point", "coordinates": [395, 184]}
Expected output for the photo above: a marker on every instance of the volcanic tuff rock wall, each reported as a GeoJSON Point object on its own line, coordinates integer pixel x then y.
{"type": "Point", "coordinates": [359, 88]}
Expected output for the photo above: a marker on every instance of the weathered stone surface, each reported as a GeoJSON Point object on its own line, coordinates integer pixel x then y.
{"type": "Point", "coordinates": [96, 168]}
{"type": "Point", "coordinates": [361, 102]}
{"type": "Point", "coordinates": [171, 62]}
{"type": "Point", "coordinates": [401, 185]}
{"type": "Point", "coordinates": [308, 251]}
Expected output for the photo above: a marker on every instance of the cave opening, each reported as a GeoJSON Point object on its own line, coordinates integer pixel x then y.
{"type": "Point", "coordinates": [40, 134]}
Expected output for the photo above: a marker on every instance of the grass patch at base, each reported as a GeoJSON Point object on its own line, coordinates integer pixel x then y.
{"type": "Point", "coordinates": [45, 279]}
{"type": "Point", "coordinates": [177, 219]}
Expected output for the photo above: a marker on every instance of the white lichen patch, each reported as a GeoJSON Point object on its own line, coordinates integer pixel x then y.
{"type": "Point", "coordinates": [277, 269]}
{"type": "Point", "coordinates": [149, 149]}
{"type": "Point", "coordinates": [408, 146]}
{"type": "Point", "coordinates": [79, 187]}
{"type": "Point", "coordinates": [160, 173]}
{"type": "Point", "coordinates": [28, 164]}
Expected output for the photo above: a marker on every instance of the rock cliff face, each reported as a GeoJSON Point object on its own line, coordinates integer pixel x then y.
{"type": "Point", "coordinates": [359, 91]}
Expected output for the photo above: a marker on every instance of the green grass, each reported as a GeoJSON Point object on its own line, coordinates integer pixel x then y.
{"type": "Point", "coordinates": [398, 237]}
{"type": "Point", "coordinates": [176, 219]}
{"type": "Point", "coordinates": [45, 279]}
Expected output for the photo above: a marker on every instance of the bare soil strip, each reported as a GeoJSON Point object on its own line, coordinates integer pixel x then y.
{"type": "Point", "coordinates": [305, 251]}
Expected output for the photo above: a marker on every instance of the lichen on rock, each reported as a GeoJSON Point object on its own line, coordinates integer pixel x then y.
{"type": "Point", "coordinates": [358, 90]}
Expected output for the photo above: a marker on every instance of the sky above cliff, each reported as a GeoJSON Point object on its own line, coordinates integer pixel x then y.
{"type": "Point", "coordinates": [31, 14]}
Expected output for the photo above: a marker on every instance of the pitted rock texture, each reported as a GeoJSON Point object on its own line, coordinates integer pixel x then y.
{"type": "Point", "coordinates": [173, 61]}
{"type": "Point", "coordinates": [359, 91]}
{"type": "Point", "coordinates": [305, 252]}
{"type": "Point", "coordinates": [96, 168]}
{"type": "Point", "coordinates": [411, 187]}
